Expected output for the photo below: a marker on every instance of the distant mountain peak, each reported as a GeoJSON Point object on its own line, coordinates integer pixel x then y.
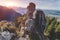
{"type": "Point", "coordinates": [8, 13]}
{"type": "Point", "coordinates": [20, 10]}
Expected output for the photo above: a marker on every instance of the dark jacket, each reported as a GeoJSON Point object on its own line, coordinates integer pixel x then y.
{"type": "Point", "coordinates": [39, 26]}
{"type": "Point", "coordinates": [40, 21]}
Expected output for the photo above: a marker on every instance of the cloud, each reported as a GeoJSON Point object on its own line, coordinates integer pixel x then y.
{"type": "Point", "coordinates": [49, 4]}
{"type": "Point", "coordinates": [41, 4]}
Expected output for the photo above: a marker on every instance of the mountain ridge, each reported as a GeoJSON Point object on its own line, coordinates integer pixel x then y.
{"type": "Point", "coordinates": [8, 13]}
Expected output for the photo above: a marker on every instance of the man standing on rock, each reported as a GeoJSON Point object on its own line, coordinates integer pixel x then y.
{"type": "Point", "coordinates": [39, 22]}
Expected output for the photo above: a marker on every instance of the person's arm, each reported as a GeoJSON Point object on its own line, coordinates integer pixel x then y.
{"type": "Point", "coordinates": [43, 21]}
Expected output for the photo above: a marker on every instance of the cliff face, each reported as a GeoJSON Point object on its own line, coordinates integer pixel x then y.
{"type": "Point", "coordinates": [8, 14]}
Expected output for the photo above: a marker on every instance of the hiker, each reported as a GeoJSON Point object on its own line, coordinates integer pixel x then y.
{"type": "Point", "coordinates": [38, 18]}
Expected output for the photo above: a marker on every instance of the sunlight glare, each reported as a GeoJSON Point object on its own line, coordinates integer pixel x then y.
{"type": "Point", "coordinates": [10, 4]}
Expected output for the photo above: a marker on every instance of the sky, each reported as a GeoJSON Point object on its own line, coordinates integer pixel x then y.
{"type": "Point", "coordinates": [40, 4]}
